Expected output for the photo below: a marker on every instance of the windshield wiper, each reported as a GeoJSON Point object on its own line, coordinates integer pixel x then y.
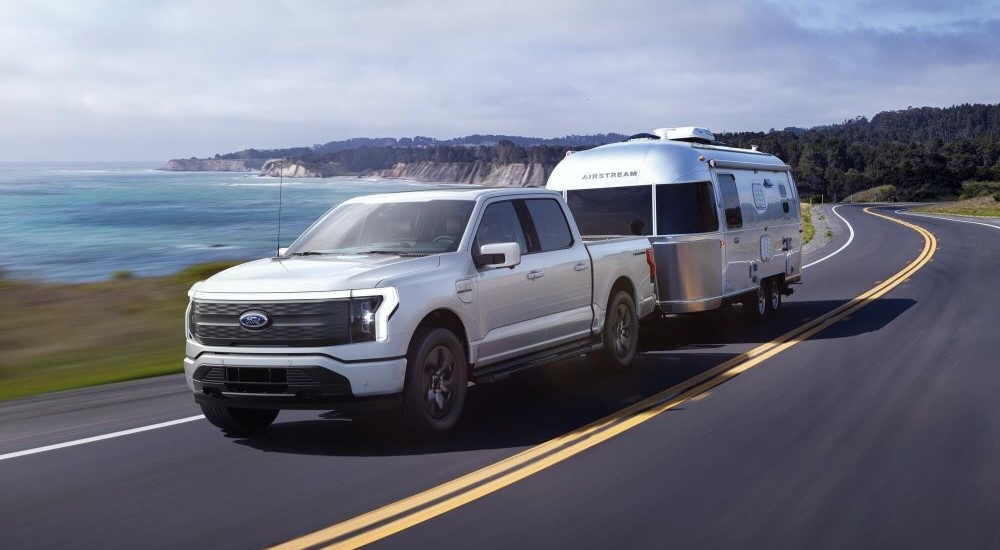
{"type": "Point", "coordinates": [396, 252]}
{"type": "Point", "coordinates": [308, 253]}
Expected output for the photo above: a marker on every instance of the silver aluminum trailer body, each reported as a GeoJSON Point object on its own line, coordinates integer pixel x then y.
{"type": "Point", "coordinates": [724, 222]}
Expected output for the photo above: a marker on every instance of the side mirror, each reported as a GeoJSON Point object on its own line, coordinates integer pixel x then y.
{"type": "Point", "coordinates": [498, 255]}
{"type": "Point", "coordinates": [282, 251]}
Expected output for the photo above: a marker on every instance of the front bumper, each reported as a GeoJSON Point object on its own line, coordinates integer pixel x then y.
{"type": "Point", "coordinates": [292, 381]}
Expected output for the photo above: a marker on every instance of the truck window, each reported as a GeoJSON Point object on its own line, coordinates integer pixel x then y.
{"type": "Point", "coordinates": [683, 208]}
{"type": "Point", "coordinates": [500, 224]}
{"type": "Point", "coordinates": [731, 201]}
{"type": "Point", "coordinates": [613, 210]}
{"type": "Point", "coordinates": [413, 227]}
{"type": "Point", "coordinates": [550, 224]}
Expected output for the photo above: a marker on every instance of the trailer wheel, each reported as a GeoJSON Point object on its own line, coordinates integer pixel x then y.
{"type": "Point", "coordinates": [239, 421]}
{"type": "Point", "coordinates": [620, 335]}
{"type": "Point", "coordinates": [437, 380]}
{"type": "Point", "coordinates": [755, 304]}
{"type": "Point", "coordinates": [773, 297]}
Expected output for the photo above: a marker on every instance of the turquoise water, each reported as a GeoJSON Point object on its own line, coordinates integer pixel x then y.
{"type": "Point", "coordinates": [84, 221]}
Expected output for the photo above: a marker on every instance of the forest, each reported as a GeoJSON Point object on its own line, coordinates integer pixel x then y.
{"type": "Point", "coordinates": [926, 153]}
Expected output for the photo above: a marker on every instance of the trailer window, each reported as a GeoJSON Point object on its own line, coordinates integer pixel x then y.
{"type": "Point", "coordinates": [731, 201]}
{"type": "Point", "coordinates": [685, 208]}
{"type": "Point", "coordinates": [613, 210]}
{"type": "Point", "coordinates": [758, 196]}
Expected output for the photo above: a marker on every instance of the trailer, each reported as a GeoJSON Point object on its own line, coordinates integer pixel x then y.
{"type": "Point", "coordinates": [724, 222]}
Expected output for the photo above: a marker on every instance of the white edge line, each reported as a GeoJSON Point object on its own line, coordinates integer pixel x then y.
{"type": "Point", "coordinates": [112, 435]}
{"type": "Point", "coordinates": [839, 250]}
{"type": "Point", "coordinates": [907, 213]}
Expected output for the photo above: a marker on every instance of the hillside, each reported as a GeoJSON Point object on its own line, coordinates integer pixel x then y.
{"type": "Point", "coordinates": [924, 153]}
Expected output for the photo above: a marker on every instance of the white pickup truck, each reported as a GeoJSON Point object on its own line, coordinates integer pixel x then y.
{"type": "Point", "coordinates": [398, 301]}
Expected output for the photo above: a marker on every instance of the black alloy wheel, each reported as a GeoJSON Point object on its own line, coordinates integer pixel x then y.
{"type": "Point", "coordinates": [437, 380]}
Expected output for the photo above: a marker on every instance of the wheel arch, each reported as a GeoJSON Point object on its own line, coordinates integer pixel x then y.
{"type": "Point", "coordinates": [622, 283]}
{"type": "Point", "coordinates": [447, 319]}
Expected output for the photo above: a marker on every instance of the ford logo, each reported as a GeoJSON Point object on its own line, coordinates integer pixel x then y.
{"type": "Point", "coordinates": [255, 319]}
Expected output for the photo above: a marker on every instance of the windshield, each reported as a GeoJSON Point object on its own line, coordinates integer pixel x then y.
{"type": "Point", "coordinates": [427, 227]}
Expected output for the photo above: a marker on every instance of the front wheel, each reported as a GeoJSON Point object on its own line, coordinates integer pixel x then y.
{"type": "Point", "coordinates": [239, 421]}
{"type": "Point", "coordinates": [437, 380]}
{"type": "Point", "coordinates": [620, 335]}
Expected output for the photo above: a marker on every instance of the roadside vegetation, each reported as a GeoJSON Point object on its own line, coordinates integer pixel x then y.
{"type": "Point", "coordinates": [980, 206]}
{"type": "Point", "coordinates": [882, 193]}
{"type": "Point", "coordinates": [808, 231]}
{"type": "Point", "coordinates": [977, 198]}
{"type": "Point", "coordinates": [63, 336]}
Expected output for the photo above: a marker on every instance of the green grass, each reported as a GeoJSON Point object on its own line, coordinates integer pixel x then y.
{"type": "Point", "coordinates": [807, 223]}
{"type": "Point", "coordinates": [875, 194]}
{"type": "Point", "coordinates": [980, 206]}
{"type": "Point", "coordinates": [66, 336]}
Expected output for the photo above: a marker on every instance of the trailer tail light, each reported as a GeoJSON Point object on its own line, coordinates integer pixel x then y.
{"type": "Point", "coordinates": [652, 264]}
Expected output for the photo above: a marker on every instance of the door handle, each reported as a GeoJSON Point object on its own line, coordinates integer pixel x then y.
{"type": "Point", "coordinates": [736, 240]}
{"type": "Point", "coordinates": [535, 274]}
{"type": "Point", "coordinates": [580, 266]}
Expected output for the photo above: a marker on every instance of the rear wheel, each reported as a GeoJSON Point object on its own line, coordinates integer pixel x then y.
{"type": "Point", "coordinates": [620, 335]}
{"type": "Point", "coordinates": [239, 421]}
{"type": "Point", "coordinates": [437, 380]}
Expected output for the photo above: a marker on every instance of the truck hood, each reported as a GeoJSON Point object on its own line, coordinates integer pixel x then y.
{"type": "Point", "coordinates": [314, 273]}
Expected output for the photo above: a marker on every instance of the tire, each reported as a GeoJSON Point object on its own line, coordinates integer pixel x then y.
{"type": "Point", "coordinates": [620, 335]}
{"type": "Point", "coordinates": [239, 421]}
{"type": "Point", "coordinates": [773, 298]}
{"type": "Point", "coordinates": [755, 305]}
{"type": "Point", "coordinates": [437, 380]}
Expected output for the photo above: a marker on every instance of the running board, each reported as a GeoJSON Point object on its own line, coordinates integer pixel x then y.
{"type": "Point", "coordinates": [499, 371]}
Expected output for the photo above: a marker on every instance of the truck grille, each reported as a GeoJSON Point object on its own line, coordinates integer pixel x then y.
{"type": "Point", "coordinates": [304, 381]}
{"type": "Point", "coordinates": [323, 323]}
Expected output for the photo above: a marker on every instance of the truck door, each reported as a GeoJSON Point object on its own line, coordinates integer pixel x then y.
{"type": "Point", "coordinates": [509, 305]}
{"type": "Point", "coordinates": [565, 279]}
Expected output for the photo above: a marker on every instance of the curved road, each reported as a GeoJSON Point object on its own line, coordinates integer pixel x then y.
{"type": "Point", "coordinates": [881, 429]}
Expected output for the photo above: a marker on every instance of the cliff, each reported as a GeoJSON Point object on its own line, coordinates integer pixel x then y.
{"type": "Point", "coordinates": [213, 165]}
{"type": "Point", "coordinates": [493, 174]}
{"type": "Point", "coordinates": [288, 169]}
{"type": "Point", "coordinates": [516, 174]}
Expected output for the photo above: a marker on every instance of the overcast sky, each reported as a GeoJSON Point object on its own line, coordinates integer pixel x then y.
{"type": "Point", "coordinates": [122, 80]}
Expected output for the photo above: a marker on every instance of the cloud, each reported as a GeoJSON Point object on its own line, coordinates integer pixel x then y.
{"type": "Point", "coordinates": [119, 80]}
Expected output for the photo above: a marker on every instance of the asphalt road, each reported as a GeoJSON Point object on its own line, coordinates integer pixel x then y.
{"type": "Point", "coordinates": [879, 431]}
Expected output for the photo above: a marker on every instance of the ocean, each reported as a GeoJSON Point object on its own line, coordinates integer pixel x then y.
{"type": "Point", "coordinates": [75, 222]}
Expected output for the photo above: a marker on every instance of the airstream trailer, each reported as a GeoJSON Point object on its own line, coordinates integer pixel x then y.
{"type": "Point", "coordinates": [724, 222]}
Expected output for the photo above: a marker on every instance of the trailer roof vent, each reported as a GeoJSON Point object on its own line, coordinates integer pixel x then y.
{"type": "Point", "coordinates": [687, 133]}
{"type": "Point", "coordinates": [642, 136]}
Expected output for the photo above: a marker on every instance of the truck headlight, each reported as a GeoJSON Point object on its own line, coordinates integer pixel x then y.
{"type": "Point", "coordinates": [363, 318]}
{"type": "Point", "coordinates": [370, 311]}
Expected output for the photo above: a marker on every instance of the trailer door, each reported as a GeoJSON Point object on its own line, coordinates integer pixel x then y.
{"type": "Point", "coordinates": [739, 254]}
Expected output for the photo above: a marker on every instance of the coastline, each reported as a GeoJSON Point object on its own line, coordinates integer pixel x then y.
{"type": "Point", "coordinates": [510, 174]}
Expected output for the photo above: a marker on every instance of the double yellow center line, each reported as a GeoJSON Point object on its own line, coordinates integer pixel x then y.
{"type": "Point", "coordinates": [403, 514]}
